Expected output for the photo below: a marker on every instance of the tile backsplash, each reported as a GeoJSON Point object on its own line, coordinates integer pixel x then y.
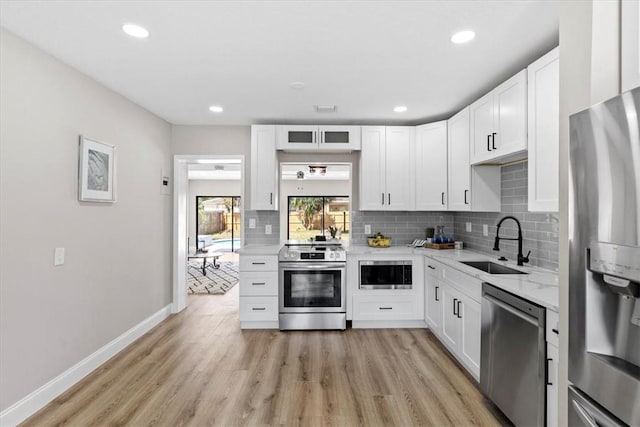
{"type": "Point", "coordinates": [540, 230]}
{"type": "Point", "coordinates": [257, 236]}
{"type": "Point", "coordinates": [402, 227]}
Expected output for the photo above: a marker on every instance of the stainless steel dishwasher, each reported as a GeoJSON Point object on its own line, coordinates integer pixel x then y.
{"type": "Point", "coordinates": [512, 358]}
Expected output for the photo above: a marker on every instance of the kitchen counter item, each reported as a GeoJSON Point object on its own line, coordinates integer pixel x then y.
{"type": "Point", "coordinates": [513, 352]}
{"type": "Point", "coordinates": [379, 242]}
{"type": "Point", "coordinates": [439, 246]}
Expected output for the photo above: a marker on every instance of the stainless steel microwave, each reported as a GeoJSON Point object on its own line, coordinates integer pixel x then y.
{"type": "Point", "coordinates": [385, 275]}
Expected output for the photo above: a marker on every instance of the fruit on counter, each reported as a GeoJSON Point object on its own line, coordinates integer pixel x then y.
{"type": "Point", "coordinates": [378, 240]}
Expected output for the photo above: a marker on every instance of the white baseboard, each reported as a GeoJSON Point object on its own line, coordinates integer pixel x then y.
{"type": "Point", "coordinates": [29, 405]}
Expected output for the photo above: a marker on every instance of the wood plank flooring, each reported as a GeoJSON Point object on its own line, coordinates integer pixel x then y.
{"type": "Point", "coordinates": [198, 368]}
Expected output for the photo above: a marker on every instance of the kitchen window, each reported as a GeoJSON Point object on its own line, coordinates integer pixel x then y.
{"type": "Point", "coordinates": [310, 216]}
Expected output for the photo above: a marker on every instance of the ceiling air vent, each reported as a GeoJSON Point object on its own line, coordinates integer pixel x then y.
{"type": "Point", "coordinates": [218, 167]}
{"type": "Point", "coordinates": [325, 108]}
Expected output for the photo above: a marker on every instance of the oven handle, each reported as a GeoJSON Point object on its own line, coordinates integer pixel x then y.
{"type": "Point", "coordinates": [301, 266]}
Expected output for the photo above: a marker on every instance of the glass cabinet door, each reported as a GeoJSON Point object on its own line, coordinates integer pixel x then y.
{"type": "Point", "coordinates": [297, 137]}
{"type": "Point", "coordinates": [339, 137]}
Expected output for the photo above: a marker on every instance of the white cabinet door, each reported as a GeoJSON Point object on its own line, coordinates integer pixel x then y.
{"type": "Point", "coordinates": [372, 169]}
{"type": "Point", "coordinates": [431, 167]}
{"type": "Point", "coordinates": [459, 172]}
{"type": "Point", "coordinates": [450, 320]}
{"type": "Point", "coordinates": [543, 112]}
{"type": "Point", "coordinates": [510, 117]}
{"type": "Point", "coordinates": [630, 45]}
{"type": "Point", "coordinates": [433, 304]}
{"type": "Point", "coordinates": [481, 121]}
{"type": "Point", "coordinates": [264, 168]}
{"type": "Point", "coordinates": [470, 334]}
{"type": "Point", "coordinates": [339, 138]}
{"type": "Point", "coordinates": [300, 138]}
{"type": "Point", "coordinates": [552, 385]}
{"type": "Point", "coordinates": [399, 168]}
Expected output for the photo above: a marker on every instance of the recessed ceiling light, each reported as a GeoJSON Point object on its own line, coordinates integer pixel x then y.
{"type": "Point", "coordinates": [135, 31]}
{"type": "Point", "coordinates": [216, 109]}
{"type": "Point", "coordinates": [463, 36]}
{"type": "Point", "coordinates": [297, 85]}
{"type": "Point", "coordinates": [400, 109]}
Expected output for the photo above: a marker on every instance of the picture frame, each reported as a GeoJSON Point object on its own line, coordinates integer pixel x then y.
{"type": "Point", "coordinates": [96, 171]}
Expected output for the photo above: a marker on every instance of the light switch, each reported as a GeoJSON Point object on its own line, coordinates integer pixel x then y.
{"type": "Point", "coordinates": [58, 257]}
{"type": "Point", "coordinates": [267, 229]}
{"type": "Point", "coordinates": [252, 223]}
{"type": "Point", "coordinates": [468, 227]}
{"type": "Point", "coordinates": [367, 229]}
{"type": "Point", "coordinates": [485, 230]}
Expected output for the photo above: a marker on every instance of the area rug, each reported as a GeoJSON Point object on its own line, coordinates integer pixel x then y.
{"type": "Point", "coordinates": [217, 280]}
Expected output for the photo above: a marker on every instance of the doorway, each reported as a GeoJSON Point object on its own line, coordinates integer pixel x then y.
{"type": "Point", "coordinates": [189, 171]}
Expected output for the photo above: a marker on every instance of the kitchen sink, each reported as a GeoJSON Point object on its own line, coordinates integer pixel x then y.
{"type": "Point", "coordinates": [492, 267]}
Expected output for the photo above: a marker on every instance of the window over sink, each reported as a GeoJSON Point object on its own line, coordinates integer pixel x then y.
{"type": "Point", "coordinates": [310, 216]}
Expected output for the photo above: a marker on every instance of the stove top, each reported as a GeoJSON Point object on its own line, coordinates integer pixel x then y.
{"type": "Point", "coordinates": [305, 251]}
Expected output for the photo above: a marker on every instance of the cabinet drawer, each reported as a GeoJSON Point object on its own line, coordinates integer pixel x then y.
{"type": "Point", "coordinates": [258, 309]}
{"type": "Point", "coordinates": [553, 319]}
{"type": "Point", "coordinates": [466, 284]}
{"type": "Point", "coordinates": [259, 283]}
{"type": "Point", "coordinates": [259, 263]}
{"type": "Point", "coordinates": [433, 268]}
{"type": "Point", "coordinates": [386, 308]}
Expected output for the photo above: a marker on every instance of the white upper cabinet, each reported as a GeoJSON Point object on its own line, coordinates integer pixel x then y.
{"type": "Point", "coordinates": [543, 122]}
{"type": "Point", "coordinates": [499, 122]}
{"type": "Point", "coordinates": [459, 171]}
{"type": "Point", "coordinates": [630, 45]}
{"type": "Point", "coordinates": [264, 168]}
{"type": "Point", "coordinates": [474, 188]}
{"type": "Point", "coordinates": [431, 166]}
{"type": "Point", "coordinates": [314, 138]}
{"type": "Point", "coordinates": [386, 168]}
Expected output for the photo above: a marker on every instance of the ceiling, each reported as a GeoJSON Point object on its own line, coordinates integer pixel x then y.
{"type": "Point", "coordinates": [366, 57]}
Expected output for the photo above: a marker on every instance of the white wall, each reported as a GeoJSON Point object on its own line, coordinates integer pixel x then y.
{"type": "Point", "coordinates": [589, 73]}
{"type": "Point", "coordinates": [118, 264]}
{"type": "Point", "coordinates": [207, 187]}
{"type": "Point", "coordinates": [308, 188]}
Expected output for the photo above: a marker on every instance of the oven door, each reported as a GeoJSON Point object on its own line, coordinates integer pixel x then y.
{"type": "Point", "coordinates": [313, 287]}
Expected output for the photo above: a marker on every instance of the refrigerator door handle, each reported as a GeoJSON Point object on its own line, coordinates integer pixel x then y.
{"type": "Point", "coordinates": [584, 415]}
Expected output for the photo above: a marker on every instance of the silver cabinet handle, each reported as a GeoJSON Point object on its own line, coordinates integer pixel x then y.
{"type": "Point", "coordinates": [258, 284]}
{"type": "Point", "coordinates": [383, 198]}
{"type": "Point", "coordinates": [258, 308]}
{"type": "Point", "coordinates": [270, 198]}
{"type": "Point", "coordinates": [386, 308]}
{"type": "Point", "coordinates": [454, 307]}
{"type": "Point", "coordinates": [437, 287]}
{"type": "Point", "coordinates": [258, 263]}
{"type": "Point", "coordinates": [442, 198]}
{"type": "Point", "coordinates": [459, 314]}
{"type": "Point", "coordinates": [431, 267]}
{"type": "Point", "coordinates": [389, 199]}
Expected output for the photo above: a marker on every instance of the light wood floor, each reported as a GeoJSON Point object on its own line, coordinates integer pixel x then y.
{"type": "Point", "coordinates": [198, 368]}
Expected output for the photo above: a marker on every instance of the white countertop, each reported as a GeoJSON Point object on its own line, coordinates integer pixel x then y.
{"type": "Point", "coordinates": [260, 250]}
{"type": "Point", "coordinates": [539, 285]}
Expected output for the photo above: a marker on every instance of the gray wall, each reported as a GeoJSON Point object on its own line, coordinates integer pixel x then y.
{"type": "Point", "coordinates": [118, 265]}
{"type": "Point", "coordinates": [540, 230]}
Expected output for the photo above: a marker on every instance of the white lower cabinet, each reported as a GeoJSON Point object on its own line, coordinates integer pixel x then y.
{"type": "Point", "coordinates": [552, 385]}
{"type": "Point", "coordinates": [378, 307]}
{"type": "Point", "coordinates": [258, 291]}
{"type": "Point", "coordinates": [453, 312]}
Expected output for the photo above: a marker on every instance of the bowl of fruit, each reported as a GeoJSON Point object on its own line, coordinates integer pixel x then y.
{"type": "Point", "coordinates": [379, 241]}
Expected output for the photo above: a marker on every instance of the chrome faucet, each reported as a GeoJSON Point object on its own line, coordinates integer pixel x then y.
{"type": "Point", "coordinates": [496, 246]}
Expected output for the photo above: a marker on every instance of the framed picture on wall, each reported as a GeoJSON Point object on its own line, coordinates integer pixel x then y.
{"type": "Point", "coordinates": [96, 171]}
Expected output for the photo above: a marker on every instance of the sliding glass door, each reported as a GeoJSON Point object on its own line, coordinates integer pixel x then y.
{"type": "Point", "coordinates": [218, 223]}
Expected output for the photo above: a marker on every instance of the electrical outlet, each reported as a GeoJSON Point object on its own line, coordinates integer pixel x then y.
{"type": "Point", "coordinates": [252, 223]}
{"type": "Point", "coordinates": [367, 229]}
{"type": "Point", "coordinates": [468, 227]}
{"type": "Point", "coordinates": [267, 229]}
{"type": "Point", "coordinates": [58, 257]}
{"type": "Point", "coordinates": [485, 230]}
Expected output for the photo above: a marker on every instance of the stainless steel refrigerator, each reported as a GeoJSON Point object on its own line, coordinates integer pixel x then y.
{"type": "Point", "coordinates": [604, 275]}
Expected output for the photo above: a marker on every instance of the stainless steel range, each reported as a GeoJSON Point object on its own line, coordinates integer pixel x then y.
{"type": "Point", "coordinates": [312, 286]}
